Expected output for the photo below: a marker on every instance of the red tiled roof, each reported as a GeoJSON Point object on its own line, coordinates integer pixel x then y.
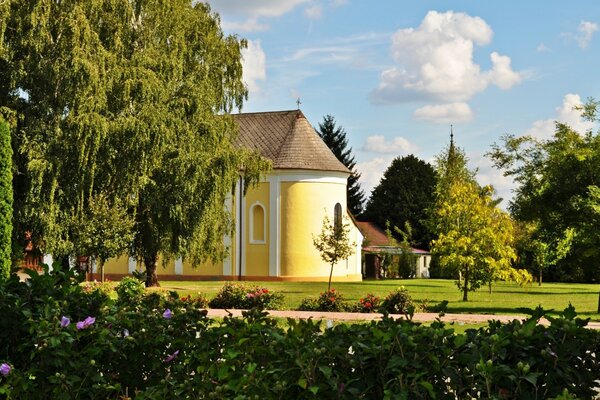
{"type": "Point", "coordinates": [374, 235]}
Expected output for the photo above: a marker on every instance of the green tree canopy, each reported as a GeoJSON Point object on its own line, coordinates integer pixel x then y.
{"type": "Point", "coordinates": [6, 200]}
{"type": "Point", "coordinates": [404, 194]}
{"type": "Point", "coordinates": [125, 100]}
{"type": "Point", "coordinates": [335, 138]}
{"type": "Point", "coordinates": [555, 180]}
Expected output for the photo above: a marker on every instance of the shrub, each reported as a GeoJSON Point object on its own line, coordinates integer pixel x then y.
{"type": "Point", "coordinates": [200, 301]}
{"type": "Point", "coordinates": [152, 349]}
{"type": "Point", "coordinates": [130, 290]}
{"type": "Point", "coordinates": [330, 300]}
{"type": "Point", "coordinates": [397, 302]}
{"type": "Point", "coordinates": [107, 288]}
{"type": "Point", "coordinates": [239, 296]}
{"type": "Point", "coordinates": [368, 304]}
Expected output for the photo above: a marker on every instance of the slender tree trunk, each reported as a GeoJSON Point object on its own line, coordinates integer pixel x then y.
{"type": "Point", "coordinates": [151, 263]}
{"type": "Point", "coordinates": [330, 275]}
{"type": "Point", "coordinates": [466, 285]}
{"type": "Point", "coordinates": [599, 302]}
{"type": "Point", "coordinates": [540, 278]}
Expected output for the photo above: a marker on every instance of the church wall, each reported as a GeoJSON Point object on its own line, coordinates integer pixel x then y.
{"type": "Point", "coordinates": [256, 232]}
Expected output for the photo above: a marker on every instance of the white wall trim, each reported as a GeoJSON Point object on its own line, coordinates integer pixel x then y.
{"type": "Point", "coordinates": [179, 266]}
{"type": "Point", "coordinates": [48, 260]}
{"type": "Point", "coordinates": [244, 229]}
{"type": "Point", "coordinates": [131, 265]}
{"type": "Point", "coordinates": [264, 223]}
{"type": "Point", "coordinates": [295, 175]}
{"type": "Point", "coordinates": [236, 213]}
{"type": "Point", "coordinates": [274, 226]}
{"type": "Point", "coordinates": [227, 261]}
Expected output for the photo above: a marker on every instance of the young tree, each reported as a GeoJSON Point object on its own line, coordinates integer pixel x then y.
{"type": "Point", "coordinates": [404, 194]}
{"type": "Point", "coordinates": [334, 243]}
{"type": "Point", "coordinates": [6, 200]}
{"type": "Point", "coordinates": [335, 138]}
{"type": "Point", "coordinates": [474, 237]}
{"type": "Point", "coordinates": [105, 230]}
{"type": "Point", "coordinates": [129, 100]}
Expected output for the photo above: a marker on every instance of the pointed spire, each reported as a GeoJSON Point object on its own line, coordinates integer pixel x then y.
{"type": "Point", "coordinates": [451, 136]}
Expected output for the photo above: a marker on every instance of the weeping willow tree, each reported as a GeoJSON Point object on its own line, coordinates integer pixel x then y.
{"type": "Point", "coordinates": [125, 100]}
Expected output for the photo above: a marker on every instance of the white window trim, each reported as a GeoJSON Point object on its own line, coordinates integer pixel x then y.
{"type": "Point", "coordinates": [264, 222]}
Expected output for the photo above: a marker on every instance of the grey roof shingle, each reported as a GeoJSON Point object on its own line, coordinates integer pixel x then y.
{"type": "Point", "coordinates": [287, 139]}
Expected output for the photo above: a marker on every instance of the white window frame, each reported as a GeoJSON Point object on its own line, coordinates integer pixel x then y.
{"type": "Point", "coordinates": [264, 222]}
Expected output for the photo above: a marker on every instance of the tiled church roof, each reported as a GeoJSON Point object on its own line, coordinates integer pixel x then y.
{"type": "Point", "coordinates": [287, 139]}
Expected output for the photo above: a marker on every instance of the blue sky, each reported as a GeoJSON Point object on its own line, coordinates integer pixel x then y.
{"type": "Point", "coordinates": [396, 74]}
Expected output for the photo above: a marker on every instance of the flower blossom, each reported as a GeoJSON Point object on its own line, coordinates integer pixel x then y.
{"type": "Point", "coordinates": [5, 369]}
{"type": "Point", "coordinates": [171, 357]}
{"type": "Point", "coordinates": [85, 323]}
{"type": "Point", "coordinates": [168, 314]}
{"type": "Point", "coordinates": [64, 321]}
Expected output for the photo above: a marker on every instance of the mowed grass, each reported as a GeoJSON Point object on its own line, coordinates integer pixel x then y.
{"type": "Point", "coordinates": [506, 298]}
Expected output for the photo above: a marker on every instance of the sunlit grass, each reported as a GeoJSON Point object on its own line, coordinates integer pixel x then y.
{"type": "Point", "coordinates": [506, 298]}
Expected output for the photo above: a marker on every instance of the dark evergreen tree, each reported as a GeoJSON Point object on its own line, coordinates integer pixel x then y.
{"type": "Point", "coordinates": [404, 194]}
{"type": "Point", "coordinates": [335, 138]}
{"type": "Point", "coordinates": [6, 200]}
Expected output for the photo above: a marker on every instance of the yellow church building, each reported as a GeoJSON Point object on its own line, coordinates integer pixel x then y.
{"type": "Point", "coordinates": [276, 220]}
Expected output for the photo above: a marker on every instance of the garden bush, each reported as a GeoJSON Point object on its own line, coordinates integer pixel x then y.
{"type": "Point", "coordinates": [165, 347]}
{"type": "Point", "coordinates": [239, 296]}
{"type": "Point", "coordinates": [397, 302]}
{"type": "Point", "coordinates": [330, 300]}
{"type": "Point", "coordinates": [368, 304]}
{"type": "Point", "coordinates": [130, 289]}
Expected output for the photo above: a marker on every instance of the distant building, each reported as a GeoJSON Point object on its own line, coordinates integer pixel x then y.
{"type": "Point", "coordinates": [277, 219]}
{"type": "Point", "coordinates": [376, 244]}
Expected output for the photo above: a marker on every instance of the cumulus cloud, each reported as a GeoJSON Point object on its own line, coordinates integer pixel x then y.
{"type": "Point", "coordinates": [244, 15]}
{"type": "Point", "coordinates": [566, 112]}
{"type": "Point", "coordinates": [371, 172]}
{"type": "Point", "coordinates": [435, 61]}
{"type": "Point", "coordinates": [254, 66]}
{"type": "Point", "coordinates": [444, 113]}
{"type": "Point", "coordinates": [397, 146]}
{"type": "Point", "coordinates": [249, 25]}
{"type": "Point", "coordinates": [487, 174]}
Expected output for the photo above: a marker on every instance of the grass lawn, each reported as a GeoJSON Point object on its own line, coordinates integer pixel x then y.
{"type": "Point", "coordinates": [506, 298]}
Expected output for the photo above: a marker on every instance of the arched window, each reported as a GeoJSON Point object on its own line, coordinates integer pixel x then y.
{"type": "Point", "coordinates": [257, 224]}
{"type": "Point", "coordinates": [337, 216]}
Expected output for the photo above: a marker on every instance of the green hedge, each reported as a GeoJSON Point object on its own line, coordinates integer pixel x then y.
{"type": "Point", "coordinates": [158, 347]}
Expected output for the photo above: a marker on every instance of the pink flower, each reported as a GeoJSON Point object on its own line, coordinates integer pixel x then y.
{"type": "Point", "coordinates": [250, 295]}
{"type": "Point", "coordinates": [171, 357]}
{"type": "Point", "coordinates": [5, 369]}
{"type": "Point", "coordinates": [168, 314]}
{"type": "Point", "coordinates": [64, 321]}
{"type": "Point", "coordinates": [85, 323]}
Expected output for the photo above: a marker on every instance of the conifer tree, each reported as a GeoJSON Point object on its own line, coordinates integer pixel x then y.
{"type": "Point", "coordinates": [335, 138]}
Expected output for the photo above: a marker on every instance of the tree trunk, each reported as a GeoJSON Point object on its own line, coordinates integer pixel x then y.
{"type": "Point", "coordinates": [599, 302]}
{"type": "Point", "coordinates": [330, 275]}
{"type": "Point", "coordinates": [540, 279]}
{"type": "Point", "coordinates": [150, 262]}
{"type": "Point", "coordinates": [466, 285]}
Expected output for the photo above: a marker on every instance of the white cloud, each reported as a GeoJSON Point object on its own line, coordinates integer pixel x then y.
{"type": "Point", "coordinates": [487, 174]}
{"type": "Point", "coordinates": [255, 8]}
{"type": "Point", "coordinates": [338, 3]}
{"type": "Point", "coordinates": [249, 25]}
{"type": "Point", "coordinates": [244, 15]}
{"type": "Point", "coordinates": [254, 64]}
{"type": "Point", "coordinates": [586, 30]}
{"type": "Point", "coordinates": [566, 112]}
{"type": "Point", "coordinates": [398, 145]}
{"type": "Point", "coordinates": [314, 12]}
{"type": "Point", "coordinates": [542, 48]}
{"type": "Point", "coordinates": [435, 61]}
{"type": "Point", "coordinates": [444, 113]}
{"type": "Point", "coordinates": [372, 171]}
{"type": "Point", "coordinates": [324, 54]}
